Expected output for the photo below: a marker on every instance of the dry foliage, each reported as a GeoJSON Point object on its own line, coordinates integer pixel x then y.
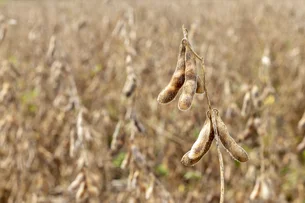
{"type": "Point", "coordinates": [79, 117]}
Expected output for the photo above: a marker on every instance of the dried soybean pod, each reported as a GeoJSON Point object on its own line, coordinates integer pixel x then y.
{"type": "Point", "coordinates": [236, 151]}
{"type": "Point", "coordinates": [251, 129]}
{"type": "Point", "coordinates": [203, 142]}
{"type": "Point", "coordinates": [77, 181]}
{"type": "Point", "coordinates": [190, 85]}
{"type": "Point", "coordinates": [170, 91]}
{"type": "Point", "coordinates": [81, 191]}
{"type": "Point", "coordinates": [130, 85]}
{"type": "Point", "coordinates": [131, 81]}
{"type": "Point", "coordinates": [301, 124]}
{"type": "Point", "coordinates": [189, 162]}
{"type": "Point", "coordinates": [200, 86]}
{"type": "Point", "coordinates": [246, 108]}
{"type": "Point", "coordinates": [255, 97]}
{"type": "Point", "coordinates": [254, 92]}
{"type": "Point", "coordinates": [301, 146]}
{"type": "Point", "coordinates": [256, 190]}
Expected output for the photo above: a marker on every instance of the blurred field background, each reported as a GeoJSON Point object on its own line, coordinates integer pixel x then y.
{"type": "Point", "coordinates": [62, 72]}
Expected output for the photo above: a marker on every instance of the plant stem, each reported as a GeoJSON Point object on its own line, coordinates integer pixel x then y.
{"type": "Point", "coordinates": [221, 165]}
{"type": "Point", "coordinates": [205, 87]}
{"type": "Point", "coordinates": [212, 112]}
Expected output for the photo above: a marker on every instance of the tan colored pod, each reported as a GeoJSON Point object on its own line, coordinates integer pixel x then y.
{"type": "Point", "coordinates": [301, 124]}
{"type": "Point", "coordinates": [262, 190]}
{"type": "Point", "coordinates": [81, 191]}
{"type": "Point", "coordinates": [246, 108]}
{"type": "Point", "coordinates": [200, 86]}
{"type": "Point", "coordinates": [256, 190]}
{"type": "Point", "coordinates": [131, 81]}
{"type": "Point", "coordinates": [255, 92]}
{"type": "Point", "coordinates": [190, 85]}
{"type": "Point", "coordinates": [203, 142]}
{"type": "Point", "coordinates": [201, 146]}
{"type": "Point", "coordinates": [130, 85]}
{"type": "Point", "coordinates": [257, 102]}
{"type": "Point", "coordinates": [301, 146]}
{"type": "Point", "coordinates": [170, 91]}
{"type": "Point", "coordinates": [236, 151]}
{"type": "Point", "coordinates": [189, 162]}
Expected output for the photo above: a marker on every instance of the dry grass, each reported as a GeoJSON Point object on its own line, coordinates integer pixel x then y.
{"type": "Point", "coordinates": [63, 68]}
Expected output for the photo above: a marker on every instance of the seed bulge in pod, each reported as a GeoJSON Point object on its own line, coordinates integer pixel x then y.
{"type": "Point", "coordinates": [190, 85]}
{"type": "Point", "coordinates": [203, 142]}
{"type": "Point", "coordinates": [170, 91]}
{"type": "Point", "coordinates": [189, 162]}
{"type": "Point", "coordinates": [236, 151]}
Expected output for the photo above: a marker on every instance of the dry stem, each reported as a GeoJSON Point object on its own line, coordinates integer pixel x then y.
{"type": "Point", "coordinates": [221, 164]}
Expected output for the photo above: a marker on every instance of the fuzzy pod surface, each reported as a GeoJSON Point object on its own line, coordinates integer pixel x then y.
{"type": "Point", "coordinates": [200, 86]}
{"type": "Point", "coordinates": [190, 85]}
{"type": "Point", "coordinates": [203, 142]}
{"type": "Point", "coordinates": [236, 151]}
{"type": "Point", "coordinates": [170, 91]}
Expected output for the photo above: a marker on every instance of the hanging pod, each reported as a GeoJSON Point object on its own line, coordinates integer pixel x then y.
{"type": "Point", "coordinates": [189, 162]}
{"type": "Point", "coordinates": [246, 108]}
{"type": "Point", "coordinates": [170, 91]}
{"type": "Point", "coordinates": [201, 146]}
{"type": "Point", "coordinates": [190, 85]}
{"type": "Point", "coordinates": [236, 151]}
{"type": "Point", "coordinates": [200, 86]}
{"type": "Point", "coordinates": [203, 142]}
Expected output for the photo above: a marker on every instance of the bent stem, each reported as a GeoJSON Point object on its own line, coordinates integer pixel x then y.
{"type": "Point", "coordinates": [212, 114]}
